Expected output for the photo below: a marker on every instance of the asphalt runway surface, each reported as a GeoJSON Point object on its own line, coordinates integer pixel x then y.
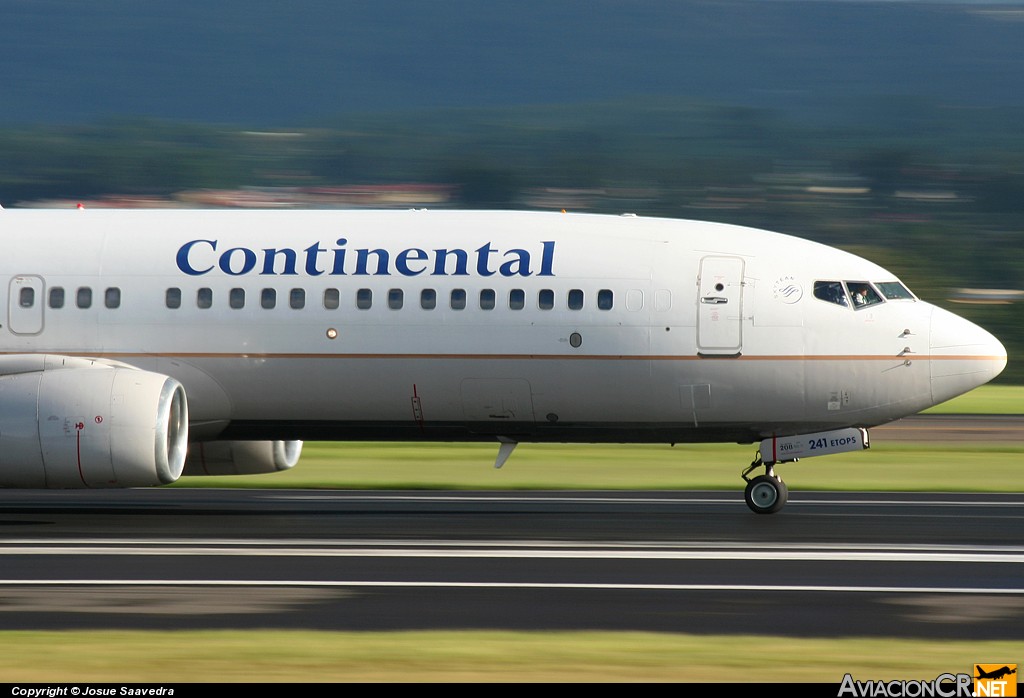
{"type": "Point", "coordinates": [953, 428]}
{"type": "Point", "coordinates": [936, 566]}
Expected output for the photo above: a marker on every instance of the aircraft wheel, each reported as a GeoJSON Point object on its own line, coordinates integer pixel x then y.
{"type": "Point", "coordinates": [765, 494]}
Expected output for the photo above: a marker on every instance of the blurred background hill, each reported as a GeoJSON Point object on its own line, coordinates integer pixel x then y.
{"type": "Point", "coordinates": [262, 62]}
{"type": "Point", "coordinates": [892, 129]}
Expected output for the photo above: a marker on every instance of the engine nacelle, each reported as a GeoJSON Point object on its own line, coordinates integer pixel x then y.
{"type": "Point", "coordinates": [241, 457]}
{"type": "Point", "coordinates": [90, 424]}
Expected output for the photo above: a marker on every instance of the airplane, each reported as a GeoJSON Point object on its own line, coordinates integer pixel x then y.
{"type": "Point", "coordinates": [141, 345]}
{"type": "Point", "coordinates": [995, 674]}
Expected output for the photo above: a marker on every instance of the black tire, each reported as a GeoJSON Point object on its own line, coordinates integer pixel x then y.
{"type": "Point", "coordinates": [765, 494]}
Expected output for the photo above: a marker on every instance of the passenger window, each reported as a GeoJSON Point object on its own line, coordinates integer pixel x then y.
{"type": "Point", "coordinates": [112, 297]}
{"type": "Point", "coordinates": [57, 297]}
{"type": "Point", "coordinates": [27, 297]}
{"type": "Point", "coordinates": [297, 298]}
{"type": "Point", "coordinates": [268, 299]}
{"type": "Point", "coordinates": [546, 299]}
{"type": "Point", "coordinates": [172, 299]}
{"type": "Point", "coordinates": [863, 294]}
{"type": "Point", "coordinates": [516, 299]}
{"type": "Point", "coordinates": [605, 299]}
{"type": "Point", "coordinates": [332, 299]}
{"type": "Point", "coordinates": [832, 292]}
{"type": "Point", "coordinates": [236, 298]}
{"type": "Point", "coordinates": [575, 299]}
{"type": "Point", "coordinates": [396, 298]}
{"type": "Point", "coordinates": [458, 299]}
{"type": "Point", "coordinates": [204, 298]}
{"type": "Point", "coordinates": [487, 298]}
{"type": "Point", "coordinates": [364, 298]}
{"type": "Point", "coordinates": [83, 299]}
{"type": "Point", "coordinates": [428, 299]}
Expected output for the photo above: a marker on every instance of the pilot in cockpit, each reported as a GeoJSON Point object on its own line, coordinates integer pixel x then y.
{"type": "Point", "coordinates": [836, 294]}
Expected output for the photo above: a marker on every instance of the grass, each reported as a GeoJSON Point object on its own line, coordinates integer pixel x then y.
{"type": "Point", "coordinates": [474, 656]}
{"type": "Point", "coordinates": [886, 466]}
{"type": "Point", "coordinates": [894, 467]}
{"type": "Point", "coordinates": [988, 399]}
{"type": "Point", "coordinates": [966, 466]}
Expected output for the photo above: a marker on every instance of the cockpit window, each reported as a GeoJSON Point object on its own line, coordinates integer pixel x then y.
{"type": "Point", "coordinates": [863, 294]}
{"type": "Point", "coordinates": [895, 291]}
{"type": "Point", "coordinates": [831, 291]}
{"type": "Point", "coordinates": [858, 294]}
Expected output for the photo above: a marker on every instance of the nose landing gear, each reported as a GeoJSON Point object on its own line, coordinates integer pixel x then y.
{"type": "Point", "coordinates": [764, 494]}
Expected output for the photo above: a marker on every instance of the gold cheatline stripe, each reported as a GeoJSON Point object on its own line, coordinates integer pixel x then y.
{"type": "Point", "coordinates": [523, 357]}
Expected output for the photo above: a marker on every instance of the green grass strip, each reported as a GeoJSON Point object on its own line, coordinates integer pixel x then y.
{"type": "Point", "coordinates": [477, 656]}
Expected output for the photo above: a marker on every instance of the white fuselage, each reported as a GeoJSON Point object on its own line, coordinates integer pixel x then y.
{"type": "Point", "coordinates": [475, 325]}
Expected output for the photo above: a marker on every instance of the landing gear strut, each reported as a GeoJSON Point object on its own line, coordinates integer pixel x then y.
{"type": "Point", "coordinates": [764, 494]}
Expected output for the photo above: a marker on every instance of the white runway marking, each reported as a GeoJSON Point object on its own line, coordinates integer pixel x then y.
{"type": "Point", "coordinates": [498, 585]}
{"type": "Point", "coordinates": [521, 550]}
{"type": "Point", "coordinates": [804, 499]}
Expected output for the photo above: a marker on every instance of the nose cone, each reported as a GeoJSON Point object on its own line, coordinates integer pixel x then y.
{"type": "Point", "coordinates": [963, 355]}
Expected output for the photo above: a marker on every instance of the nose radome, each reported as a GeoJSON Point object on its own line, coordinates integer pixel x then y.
{"type": "Point", "coordinates": [963, 355]}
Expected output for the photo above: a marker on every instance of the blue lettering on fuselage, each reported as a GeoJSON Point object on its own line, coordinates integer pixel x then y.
{"type": "Point", "coordinates": [199, 257]}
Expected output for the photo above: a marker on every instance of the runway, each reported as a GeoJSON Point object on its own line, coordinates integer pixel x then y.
{"type": "Point", "coordinates": [988, 428]}
{"type": "Point", "coordinates": [930, 566]}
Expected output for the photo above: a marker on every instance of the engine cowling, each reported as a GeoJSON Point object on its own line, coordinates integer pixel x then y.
{"type": "Point", "coordinates": [241, 457]}
{"type": "Point", "coordinates": [87, 424]}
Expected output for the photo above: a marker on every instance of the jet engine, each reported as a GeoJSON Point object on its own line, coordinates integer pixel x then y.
{"type": "Point", "coordinates": [78, 423]}
{"type": "Point", "coordinates": [241, 457]}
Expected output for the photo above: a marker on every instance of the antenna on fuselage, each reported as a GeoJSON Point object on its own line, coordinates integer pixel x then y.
{"type": "Point", "coordinates": [505, 450]}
